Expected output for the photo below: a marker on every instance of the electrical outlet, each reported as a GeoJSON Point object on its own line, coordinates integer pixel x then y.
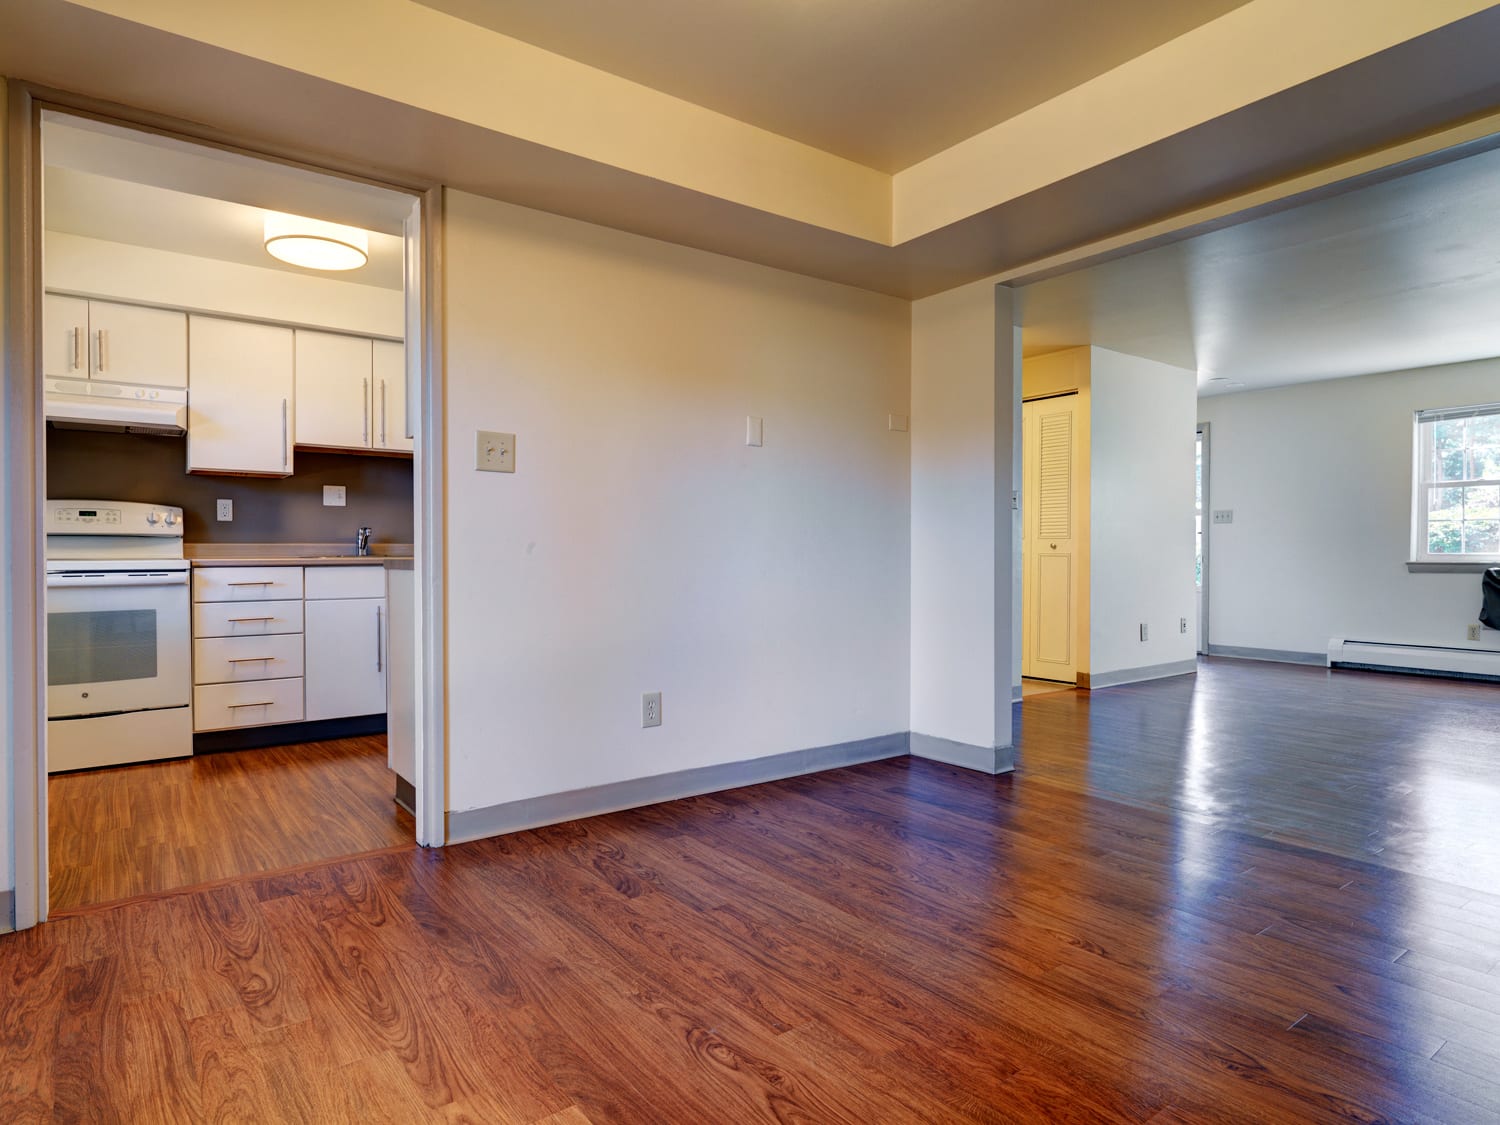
{"type": "Point", "coordinates": [225, 511]}
{"type": "Point", "coordinates": [1182, 627]}
{"type": "Point", "coordinates": [1144, 632]}
{"type": "Point", "coordinates": [1473, 632]}
{"type": "Point", "coordinates": [651, 709]}
{"type": "Point", "coordinates": [334, 495]}
{"type": "Point", "coordinates": [495, 453]}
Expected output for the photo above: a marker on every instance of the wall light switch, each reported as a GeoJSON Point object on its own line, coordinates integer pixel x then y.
{"type": "Point", "coordinates": [755, 431]}
{"type": "Point", "coordinates": [1223, 515]}
{"type": "Point", "coordinates": [897, 423]}
{"type": "Point", "coordinates": [495, 452]}
{"type": "Point", "coordinates": [225, 511]}
{"type": "Point", "coordinates": [333, 496]}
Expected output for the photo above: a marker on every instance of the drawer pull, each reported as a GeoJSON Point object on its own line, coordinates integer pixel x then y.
{"type": "Point", "coordinates": [267, 582]}
{"type": "Point", "coordinates": [266, 703]}
{"type": "Point", "coordinates": [268, 617]}
{"type": "Point", "coordinates": [248, 659]}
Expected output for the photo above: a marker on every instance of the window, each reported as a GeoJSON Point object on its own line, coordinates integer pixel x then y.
{"type": "Point", "coordinates": [1456, 514]}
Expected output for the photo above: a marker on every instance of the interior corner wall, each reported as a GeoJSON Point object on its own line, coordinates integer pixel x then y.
{"type": "Point", "coordinates": [1319, 478]}
{"type": "Point", "coordinates": [1143, 424]}
{"type": "Point", "coordinates": [641, 545]}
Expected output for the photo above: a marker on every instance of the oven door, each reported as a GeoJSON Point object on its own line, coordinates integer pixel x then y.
{"type": "Point", "coordinates": [117, 641]}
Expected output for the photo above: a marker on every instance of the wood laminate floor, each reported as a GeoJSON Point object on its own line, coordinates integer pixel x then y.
{"type": "Point", "coordinates": [903, 941]}
{"type": "Point", "coordinates": [131, 830]}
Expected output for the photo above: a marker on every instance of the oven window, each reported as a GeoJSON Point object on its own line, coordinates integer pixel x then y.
{"type": "Point", "coordinates": [101, 646]}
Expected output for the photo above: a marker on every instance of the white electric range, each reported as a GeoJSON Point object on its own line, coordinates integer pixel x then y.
{"type": "Point", "coordinates": [119, 649]}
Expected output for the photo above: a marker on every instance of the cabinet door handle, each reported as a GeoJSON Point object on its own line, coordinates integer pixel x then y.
{"type": "Point", "coordinates": [364, 403]}
{"type": "Point", "coordinates": [78, 334]}
{"type": "Point", "coordinates": [379, 642]}
{"type": "Point", "coordinates": [286, 458]}
{"type": "Point", "coordinates": [103, 350]}
{"type": "Point", "coordinates": [382, 413]}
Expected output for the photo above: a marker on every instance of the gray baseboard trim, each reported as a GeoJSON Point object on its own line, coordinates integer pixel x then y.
{"type": "Point", "coordinates": [1278, 655]}
{"type": "Point", "coordinates": [985, 759]}
{"type": "Point", "coordinates": [534, 812]}
{"type": "Point", "coordinates": [1097, 680]}
{"type": "Point", "coordinates": [7, 911]}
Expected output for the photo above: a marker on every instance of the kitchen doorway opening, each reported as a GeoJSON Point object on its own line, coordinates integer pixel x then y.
{"type": "Point", "coordinates": [235, 453]}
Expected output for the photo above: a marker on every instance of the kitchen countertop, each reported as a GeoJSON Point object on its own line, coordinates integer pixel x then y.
{"type": "Point", "coordinates": [292, 554]}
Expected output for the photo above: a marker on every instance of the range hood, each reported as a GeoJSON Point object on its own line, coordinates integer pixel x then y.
{"type": "Point", "coordinates": [89, 404]}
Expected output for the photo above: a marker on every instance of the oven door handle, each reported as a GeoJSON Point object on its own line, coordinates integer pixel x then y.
{"type": "Point", "coordinates": [120, 579]}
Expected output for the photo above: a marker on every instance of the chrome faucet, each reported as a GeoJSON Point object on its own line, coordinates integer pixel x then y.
{"type": "Point", "coordinates": [362, 541]}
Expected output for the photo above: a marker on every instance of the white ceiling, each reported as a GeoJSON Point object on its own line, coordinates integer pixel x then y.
{"type": "Point", "coordinates": [1400, 275]}
{"type": "Point", "coordinates": [882, 82]}
{"type": "Point", "coordinates": [142, 190]}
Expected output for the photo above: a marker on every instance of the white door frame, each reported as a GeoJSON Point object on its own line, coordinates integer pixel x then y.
{"type": "Point", "coordinates": [24, 465]}
{"type": "Point", "coordinates": [1203, 430]}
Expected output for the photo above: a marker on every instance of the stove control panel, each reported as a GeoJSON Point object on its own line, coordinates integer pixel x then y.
{"type": "Point", "coordinates": [112, 517]}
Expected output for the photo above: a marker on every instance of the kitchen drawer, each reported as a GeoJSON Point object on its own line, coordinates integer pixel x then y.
{"type": "Point", "coordinates": [246, 583]}
{"type": "Point", "coordinates": [222, 660]}
{"type": "Point", "coordinates": [346, 581]}
{"type": "Point", "coordinates": [254, 704]}
{"type": "Point", "coordinates": [226, 619]}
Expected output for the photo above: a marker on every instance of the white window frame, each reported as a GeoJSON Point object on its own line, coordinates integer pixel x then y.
{"type": "Point", "coordinates": [1425, 427]}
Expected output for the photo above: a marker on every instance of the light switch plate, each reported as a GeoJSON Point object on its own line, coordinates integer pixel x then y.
{"type": "Point", "coordinates": [333, 496]}
{"type": "Point", "coordinates": [755, 431]}
{"type": "Point", "coordinates": [225, 510]}
{"type": "Point", "coordinates": [1223, 515]}
{"type": "Point", "coordinates": [495, 452]}
{"type": "Point", "coordinates": [897, 423]}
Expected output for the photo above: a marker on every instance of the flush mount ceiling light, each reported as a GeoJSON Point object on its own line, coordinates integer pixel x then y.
{"type": "Point", "coordinates": [314, 244]}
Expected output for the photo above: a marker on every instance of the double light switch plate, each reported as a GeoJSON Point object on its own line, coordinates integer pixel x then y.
{"type": "Point", "coordinates": [495, 452]}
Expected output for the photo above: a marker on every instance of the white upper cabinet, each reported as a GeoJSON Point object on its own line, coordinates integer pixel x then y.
{"type": "Point", "coordinates": [240, 402]}
{"type": "Point", "coordinates": [112, 342]}
{"type": "Point", "coordinates": [333, 390]}
{"type": "Point", "coordinates": [65, 337]}
{"type": "Point", "coordinates": [390, 396]}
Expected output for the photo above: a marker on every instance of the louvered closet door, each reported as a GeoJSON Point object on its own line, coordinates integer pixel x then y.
{"type": "Point", "coordinates": [1049, 582]}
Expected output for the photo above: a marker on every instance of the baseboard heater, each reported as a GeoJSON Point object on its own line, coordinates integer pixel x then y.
{"type": "Point", "coordinates": [1416, 660]}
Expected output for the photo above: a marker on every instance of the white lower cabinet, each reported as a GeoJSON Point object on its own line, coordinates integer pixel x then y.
{"type": "Point", "coordinates": [346, 644]}
{"type": "Point", "coordinates": [255, 703]}
{"type": "Point", "coordinates": [247, 646]}
{"type": "Point", "coordinates": [284, 644]}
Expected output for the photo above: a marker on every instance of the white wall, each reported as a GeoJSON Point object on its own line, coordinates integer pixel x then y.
{"type": "Point", "coordinates": [98, 268]}
{"type": "Point", "coordinates": [640, 545]}
{"type": "Point", "coordinates": [953, 515]}
{"type": "Point", "coordinates": [1143, 424]}
{"type": "Point", "coordinates": [1319, 479]}
{"type": "Point", "coordinates": [965, 568]}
